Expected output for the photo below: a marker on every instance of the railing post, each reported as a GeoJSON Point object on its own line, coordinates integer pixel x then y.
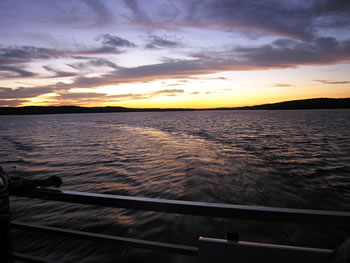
{"type": "Point", "coordinates": [5, 239]}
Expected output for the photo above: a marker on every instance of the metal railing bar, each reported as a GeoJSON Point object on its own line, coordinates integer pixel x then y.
{"type": "Point", "coordinates": [287, 215]}
{"type": "Point", "coordinates": [265, 245]}
{"type": "Point", "coordinates": [31, 259]}
{"type": "Point", "coordinates": [144, 244]}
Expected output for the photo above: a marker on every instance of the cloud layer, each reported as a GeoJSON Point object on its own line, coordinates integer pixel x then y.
{"type": "Point", "coordinates": [98, 43]}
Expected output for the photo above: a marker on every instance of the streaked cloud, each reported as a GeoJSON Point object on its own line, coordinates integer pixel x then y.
{"type": "Point", "coordinates": [172, 85]}
{"type": "Point", "coordinates": [332, 81]}
{"type": "Point", "coordinates": [322, 51]}
{"type": "Point", "coordinates": [92, 62]}
{"type": "Point", "coordinates": [110, 40]}
{"type": "Point", "coordinates": [168, 91]}
{"type": "Point", "coordinates": [25, 92]}
{"type": "Point", "coordinates": [282, 85]}
{"type": "Point", "coordinates": [156, 42]}
{"type": "Point", "coordinates": [58, 73]}
{"type": "Point", "coordinates": [80, 95]}
{"type": "Point", "coordinates": [84, 13]}
{"type": "Point", "coordinates": [11, 103]}
{"type": "Point", "coordinates": [9, 71]}
{"type": "Point", "coordinates": [22, 54]}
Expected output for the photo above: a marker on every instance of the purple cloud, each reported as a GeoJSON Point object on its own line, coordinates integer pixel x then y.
{"type": "Point", "coordinates": [11, 103]}
{"type": "Point", "coordinates": [80, 95]}
{"type": "Point", "coordinates": [59, 73]}
{"type": "Point", "coordinates": [294, 19]}
{"type": "Point", "coordinates": [162, 42]}
{"type": "Point", "coordinates": [23, 54]}
{"type": "Point", "coordinates": [20, 54]}
{"type": "Point", "coordinates": [7, 72]}
{"type": "Point", "coordinates": [115, 41]}
{"type": "Point", "coordinates": [23, 92]}
{"type": "Point", "coordinates": [93, 63]}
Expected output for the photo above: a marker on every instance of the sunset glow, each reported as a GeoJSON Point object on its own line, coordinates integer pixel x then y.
{"type": "Point", "coordinates": [172, 54]}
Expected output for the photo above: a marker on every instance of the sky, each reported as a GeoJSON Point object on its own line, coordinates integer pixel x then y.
{"type": "Point", "coordinates": [172, 54]}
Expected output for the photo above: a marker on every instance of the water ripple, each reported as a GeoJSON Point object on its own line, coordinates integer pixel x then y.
{"type": "Point", "coordinates": [294, 159]}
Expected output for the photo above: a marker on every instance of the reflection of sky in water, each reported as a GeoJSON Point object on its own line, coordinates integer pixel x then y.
{"type": "Point", "coordinates": [273, 158]}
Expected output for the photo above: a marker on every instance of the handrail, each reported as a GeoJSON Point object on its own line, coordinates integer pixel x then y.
{"type": "Point", "coordinates": [31, 259]}
{"type": "Point", "coordinates": [133, 242]}
{"type": "Point", "coordinates": [286, 215]}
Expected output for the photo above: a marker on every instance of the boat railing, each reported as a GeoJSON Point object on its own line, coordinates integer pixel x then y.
{"type": "Point", "coordinates": [281, 215]}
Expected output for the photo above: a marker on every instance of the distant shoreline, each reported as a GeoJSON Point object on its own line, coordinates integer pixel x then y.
{"type": "Point", "coordinates": [318, 103]}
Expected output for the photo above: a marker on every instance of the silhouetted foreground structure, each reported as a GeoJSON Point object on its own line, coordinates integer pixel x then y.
{"type": "Point", "coordinates": [321, 103]}
{"type": "Point", "coordinates": [208, 250]}
{"type": "Point", "coordinates": [15, 185]}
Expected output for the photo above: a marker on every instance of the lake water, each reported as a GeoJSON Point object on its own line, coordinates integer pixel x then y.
{"type": "Point", "coordinates": [295, 159]}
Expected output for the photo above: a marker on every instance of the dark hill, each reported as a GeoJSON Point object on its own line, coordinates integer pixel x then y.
{"type": "Point", "coordinates": [29, 110]}
{"type": "Point", "coordinates": [56, 110]}
{"type": "Point", "coordinates": [321, 103]}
